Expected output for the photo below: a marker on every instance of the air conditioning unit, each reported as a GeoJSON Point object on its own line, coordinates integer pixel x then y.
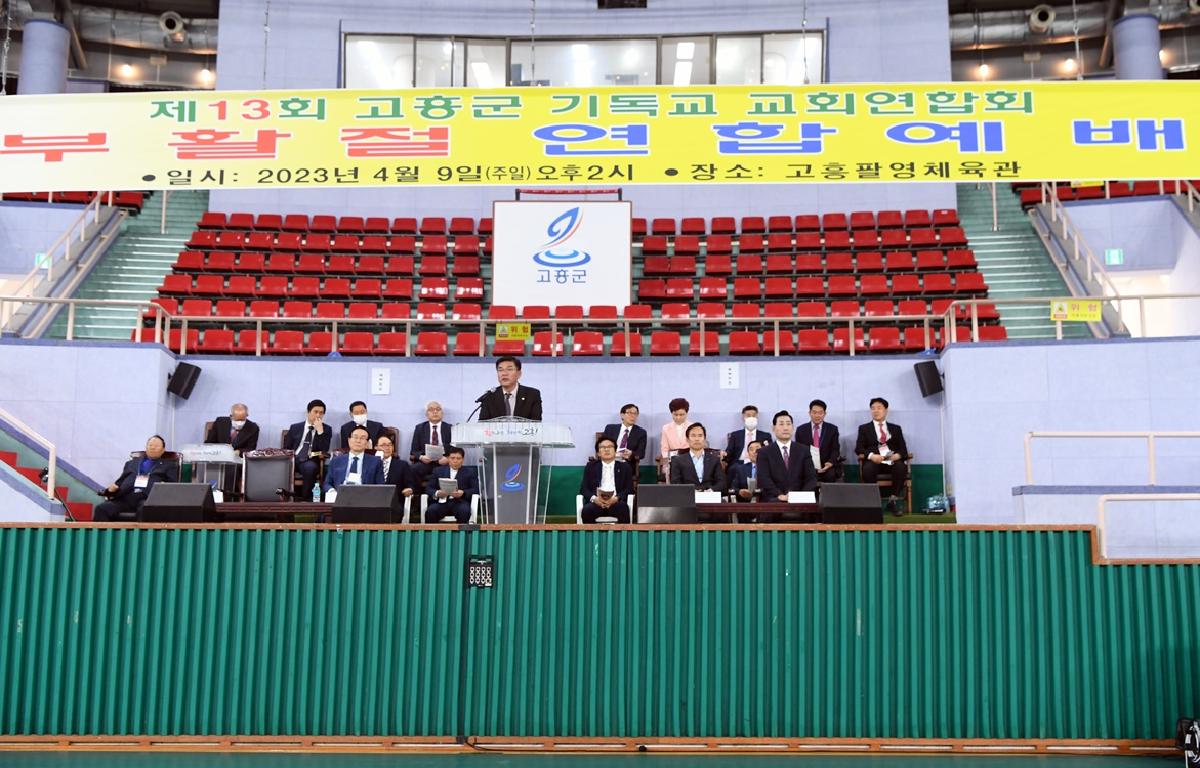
{"type": "Point", "coordinates": [1041, 17]}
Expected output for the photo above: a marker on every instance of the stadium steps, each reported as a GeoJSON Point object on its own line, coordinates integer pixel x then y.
{"type": "Point", "coordinates": [76, 490]}
{"type": "Point", "coordinates": [1013, 262]}
{"type": "Point", "coordinates": [134, 267]}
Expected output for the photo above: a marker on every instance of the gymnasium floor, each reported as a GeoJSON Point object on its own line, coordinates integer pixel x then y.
{"type": "Point", "coordinates": [259, 760]}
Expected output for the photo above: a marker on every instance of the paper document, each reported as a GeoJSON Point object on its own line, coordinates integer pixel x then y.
{"type": "Point", "coordinates": [801, 497]}
{"type": "Point", "coordinates": [447, 486]}
{"type": "Point", "coordinates": [708, 497]}
{"type": "Point", "coordinates": [815, 452]}
{"type": "Point", "coordinates": [752, 486]}
{"type": "Point", "coordinates": [434, 452]}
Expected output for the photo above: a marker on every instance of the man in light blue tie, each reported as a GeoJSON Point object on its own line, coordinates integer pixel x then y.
{"type": "Point", "coordinates": [356, 467]}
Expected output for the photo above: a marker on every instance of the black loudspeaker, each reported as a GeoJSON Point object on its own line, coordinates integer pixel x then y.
{"type": "Point", "coordinates": [928, 378]}
{"type": "Point", "coordinates": [179, 503]}
{"type": "Point", "coordinates": [369, 504]}
{"type": "Point", "coordinates": [850, 503]}
{"type": "Point", "coordinates": [183, 381]}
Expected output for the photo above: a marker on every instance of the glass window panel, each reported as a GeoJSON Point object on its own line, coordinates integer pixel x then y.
{"type": "Point", "coordinates": [440, 63]}
{"type": "Point", "coordinates": [685, 60]}
{"type": "Point", "coordinates": [739, 61]}
{"type": "Point", "coordinates": [379, 61]}
{"type": "Point", "coordinates": [793, 59]}
{"type": "Point", "coordinates": [485, 64]}
{"type": "Point", "coordinates": [581, 64]}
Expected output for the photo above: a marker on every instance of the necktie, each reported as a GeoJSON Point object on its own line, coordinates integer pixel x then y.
{"type": "Point", "coordinates": [624, 439]}
{"type": "Point", "coordinates": [817, 435]}
{"type": "Point", "coordinates": [306, 443]}
{"type": "Point", "coordinates": [233, 436]}
{"type": "Point", "coordinates": [785, 455]}
{"type": "Point", "coordinates": [883, 438]}
{"type": "Point", "coordinates": [753, 471]}
{"type": "Point", "coordinates": [508, 403]}
{"type": "Point", "coordinates": [353, 465]}
{"type": "Point", "coordinates": [433, 434]}
{"type": "Point", "coordinates": [386, 464]}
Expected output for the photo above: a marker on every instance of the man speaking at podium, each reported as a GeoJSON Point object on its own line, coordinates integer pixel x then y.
{"type": "Point", "coordinates": [510, 399]}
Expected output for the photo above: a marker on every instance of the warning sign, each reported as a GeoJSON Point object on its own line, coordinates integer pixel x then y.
{"type": "Point", "coordinates": [1075, 310]}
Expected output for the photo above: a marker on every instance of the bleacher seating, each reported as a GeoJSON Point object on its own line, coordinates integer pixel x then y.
{"type": "Point", "coordinates": [809, 272]}
{"type": "Point", "coordinates": [131, 201]}
{"type": "Point", "coordinates": [1031, 193]}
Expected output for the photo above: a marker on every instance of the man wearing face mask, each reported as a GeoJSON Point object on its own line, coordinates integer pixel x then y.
{"type": "Point", "coordinates": [739, 440]}
{"type": "Point", "coordinates": [358, 418]}
{"type": "Point", "coordinates": [235, 430]}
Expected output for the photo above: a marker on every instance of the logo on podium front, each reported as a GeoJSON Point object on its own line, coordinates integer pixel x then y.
{"type": "Point", "coordinates": [512, 479]}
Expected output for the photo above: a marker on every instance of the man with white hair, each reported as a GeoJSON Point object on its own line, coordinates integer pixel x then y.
{"type": "Point", "coordinates": [236, 430]}
{"type": "Point", "coordinates": [434, 431]}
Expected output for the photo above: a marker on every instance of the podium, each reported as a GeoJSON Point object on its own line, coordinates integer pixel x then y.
{"type": "Point", "coordinates": [510, 464]}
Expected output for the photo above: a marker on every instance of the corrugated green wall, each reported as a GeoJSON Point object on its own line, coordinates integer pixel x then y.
{"type": "Point", "coordinates": [900, 633]}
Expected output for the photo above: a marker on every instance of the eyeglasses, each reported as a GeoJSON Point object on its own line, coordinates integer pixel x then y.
{"type": "Point", "coordinates": [509, 369]}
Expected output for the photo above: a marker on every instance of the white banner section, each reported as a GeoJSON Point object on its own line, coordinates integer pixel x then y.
{"type": "Point", "coordinates": [557, 253]}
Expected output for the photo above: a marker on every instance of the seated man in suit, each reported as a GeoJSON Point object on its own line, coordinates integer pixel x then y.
{"type": "Point", "coordinates": [358, 418]}
{"type": "Point", "coordinates": [629, 438]}
{"type": "Point", "coordinates": [396, 470]}
{"type": "Point", "coordinates": [510, 399]}
{"type": "Point", "coordinates": [882, 446]}
{"type": "Point", "coordinates": [742, 472]}
{"type": "Point", "coordinates": [129, 492]}
{"type": "Point", "coordinates": [235, 430]}
{"type": "Point", "coordinates": [356, 467]}
{"type": "Point", "coordinates": [432, 431]}
{"type": "Point", "coordinates": [739, 439]}
{"type": "Point", "coordinates": [309, 440]}
{"type": "Point", "coordinates": [784, 465]}
{"type": "Point", "coordinates": [824, 437]}
{"type": "Point", "coordinates": [606, 484]}
{"type": "Point", "coordinates": [697, 467]}
{"type": "Point", "coordinates": [458, 503]}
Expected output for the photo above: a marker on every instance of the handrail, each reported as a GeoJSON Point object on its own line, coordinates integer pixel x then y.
{"type": "Point", "coordinates": [77, 230]}
{"type": "Point", "coordinates": [1105, 498]}
{"type": "Point", "coordinates": [1140, 298]}
{"type": "Point", "coordinates": [52, 452]}
{"type": "Point", "coordinates": [949, 319]}
{"type": "Point", "coordinates": [1070, 232]}
{"type": "Point", "coordinates": [1150, 437]}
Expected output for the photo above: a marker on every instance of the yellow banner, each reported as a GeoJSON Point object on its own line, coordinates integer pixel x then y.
{"type": "Point", "coordinates": [1082, 311]}
{"type": "Point", "coordinates": [601, 137]}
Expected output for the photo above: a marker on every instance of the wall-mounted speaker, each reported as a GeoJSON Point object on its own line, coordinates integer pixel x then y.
{"type": "Point", "coordinates": [183, 381]}
{"type": "Point", "coordinates": [928, 378]}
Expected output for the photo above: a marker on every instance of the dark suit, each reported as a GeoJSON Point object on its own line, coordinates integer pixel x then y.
{"type": "Point", "coordinates": [373, 429]}
{"type": "Point", "coordinates": [739, 476]}
{"type": "Point", "coordinates": [221, 432]}
{"type": "Point", "coordinates": [623, 483]}
{"type": "Point", "coordinates": [468, 483]}
{"type": "Point", "coordinates": [528, 404]}
{"type": "Point", "coordinates": [421, 438]}
{"type": "Point", "coordinates": [736, 441]}
{"type": "Point", "coordinates": [868, 443]}
{"type": "Point", "coordinates": [371, 471]}
{"type": "Point", "coordinates": [399, 473]}
{"type": "Point", "coordinates": [683, 471]}
{"type": "Point", "coordinates": [776, 478]}
{"type": "Point", "coordinates": [637, 439]}
{"type": "Point", "coordinates": [305, 466]}
{"type": "Point", "coordinates": [129, 499]}
{"type": "Point", "coordinates": [831, 447]}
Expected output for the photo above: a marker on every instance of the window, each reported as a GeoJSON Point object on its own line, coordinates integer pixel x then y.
{"type": "Point", "coordinates": [379, 61]}
{"type": "Point", "coordinates": [585, 63]}
{"type": "Point", "coordinates": [739, 60]}
{"type": "Point", "coordinates": [792, 59]}
{"type": "Point", "coordinates": [686, 60]}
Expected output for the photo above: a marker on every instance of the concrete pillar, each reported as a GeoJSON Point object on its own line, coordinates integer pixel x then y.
{"type": "Point", "coordinates": [1135, 46]}
{"type": "Point", "coordinates": [44, 49]}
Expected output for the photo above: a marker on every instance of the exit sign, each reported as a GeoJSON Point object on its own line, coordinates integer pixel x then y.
{"type": "Point", "coordinates": [1114, 256]}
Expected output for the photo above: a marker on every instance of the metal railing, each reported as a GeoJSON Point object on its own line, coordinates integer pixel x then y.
{"type": "Point", "coordinates": [1149, 437]}
{"type": "Point", "coordinates": [1104, 499]}
{"type": "Point", "coordinates": [51, 451]}
{"type": "Point", "coordinates": [63, 253]}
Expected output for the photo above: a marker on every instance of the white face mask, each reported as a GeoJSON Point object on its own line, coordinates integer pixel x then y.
{"type": "Point", "coordinates": [751, 422]}
{"type": "Point", "coordinates": [238, 424]}
{"type": "Point", "coordinates": [360, 419]}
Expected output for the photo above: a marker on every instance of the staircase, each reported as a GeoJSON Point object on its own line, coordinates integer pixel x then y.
{"type": "Point", "coordinates": [28, 463]}
{"type": "Point", "coordinates": [134, 267]}
{"type": "Point", "coordinates": [1014, 262]}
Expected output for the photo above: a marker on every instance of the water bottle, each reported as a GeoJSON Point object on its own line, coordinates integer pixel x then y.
{"type": "Point", "coordinates": [316, 493]}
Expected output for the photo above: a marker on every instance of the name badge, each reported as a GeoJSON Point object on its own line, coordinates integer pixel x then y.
{"type": "Point", "coordinates": [141, 482]}
{"type": "Point", "coordinates": [354, 479]}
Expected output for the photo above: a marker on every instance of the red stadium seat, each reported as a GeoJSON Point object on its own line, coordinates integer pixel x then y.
{"type": "Point", "coordinates": [744, 343]}
{"type": "Point", "coordinates": [718, 244]}
{"type": "Point", "coordinates": [638, 312]}
{"type": "Point", "coordinates": [692, 226]}
{"type": "Point", "coordinates": [675, 311]}
{"type": "Point", "coordinates": [834, 221]}
{"type": "Point", "coordinates": [844, 309]}
{"type": "Point", "coordinates": [785, 341]}
{"type": "Point", "coordinates": [779, 287]}
{"type": "Point", "coordinates": [906, 284]}
{"type": "Point", "coordinates": [899, 261]}
{"type": "Point", "coordinates": [723, 225]}
{"type": "Point", "coordinates": [398, 289]}
{"type": "Point", "coordinates": [937, 282]}
{"type": "Point", "coordinates": [656, 265]}
{"type": "Point", "coordinates": [869, 261]}
{"type": "Point", "coordinates": [395, 310]}
{"type": "Point", "coordinates": [587, 344]}
{"type": "Point", "coordinates": [779, 224]}
{"type": "Point", "coordinates": [808, 223]}
{"type": "Point", "coordinates": [843, 285]}
{"type": "Point", "coordinates": [230, 308]}
{"type": "Point", "coordinates": [710, 310]}
{"type": "Point", "coordinates": [879, 308]}
{"type": "Point", "coordinates": [260, 241]}
{"type": "Point", "coordinates": [779, 242]}
{"type": "Point", "coordinates": [542, 344]}
{"type": "Point", "coordinates": [367, 288]}
{"type": "Point", "coordinates": [911, 307]}
{"type": "Point", "coordinates": [297, 309]}
{"type": "Point", "coordinates": [750, 243]}
{"type": "Point", "coordinates": [392, 343]}
{"type": "Point", "coordinates": [943, 217]}
{"type": "Point", "coordinates": [404, 226]}
{"type": "Point", "coordinates": [718, 264]}
{"type": "Point", "coordinates": [749, 264]}
{"type": "Point", "coordinates": [432, 343]}
{"type": "Point", "coordinates": [922, 238]}
{"type": "Point", "coordinates": [431, 266]}
{"type": "Point", "coordinates": [369, 265]}
{"type": "Point", "coordinates": [469, 289]}
{"type": "Point", "coordinates": [711, 343]}
{"type": "Point", "coordinates": [864, 238]}
{"type": "Point", "coordinates": [893, 239]}
{"type": "Point", "coordinates": [838, 238]}
{"type": "Point", "coordinates": [914, 339]}
{"type": "Point", "coordinates": [664, 343]}
{"type": "Point", "coordinates": [317, 243]}
{"type": "Point", "coordinates": [841, 339]}
{"type": "Point", "coordinates": [951, 237]}
{"type": "Point", "coordinates": [809, 263]}
{"type": "Point", "coordinates": [216, 341]}
{"type": "Point", "coordinates": [468, 343]}
{"type": "Point", "coordinates": [678, 288]}
{"type": "Point", "coordinates": [323, 224]}
{"type": "Point", "coordinates": [602, 312]}
{"type": "Point", "coordinates": [376, 225]}
{"type": "Point", "coordinates": [189, 261]}
{"type": "Point", "coordinates": [662, 226]}
{"type": "Point", "coordinates": [884, 339]}
{"type": "Point", "coordinates": [749, 310]}
{"type": "Point", "coordinates": [873, 285]}
{"type": "Point", "coordinates": [340, 264]}
{"type": "Point", "coordinates": [970, 283]}
{"type": "Point", "coordinates": [212, 220]}
{"type": "Point", "coordinates": [568, 312]}
{"type": "Point", "coordinates": [433, 225]}
{"type": "Point", "coordinates": [287, 343]}
{"type": "Point", "coordinates": [961, 258]}
{"type": "Point", "coordinates": [916, 218]}
{"type": "Point", "coordinates": [779, 264]}
{"type": "Point", "coordinates": [400, 265]}
{"type": "Point", "coordinates": [652, 288]}
{"type": "Point", "coordinates": [535, 312]}
{"type": "Point", "coordinates": [687, 245]}
{"type": "Point", "coordinates": [467, 311]}
{"type": "Point", "coordinates": [631, 342]}
{"type": "Point", "coordinates": [862, 220]}
{"type": "Point", "coordinates": [251, 262]}
{"type": "Point", "coordinates": [373, 244]}
{"type": "Point", "coordinates": [753, 224]}
{"type": "Point", "coordinates": [431, 310]}
{"type": "Point", "coordinates": [714, 288]}
{"type": "Point", "coordinates": [202, 241]}
{"type": "Point", "coordinates": [812, 340]}
{"type": "Point", "coordinates": [310, 264]}
{"type": "Point", "coordinates": [810, 286]}
{"type": "Point", "coordinates": [839, 261]}
{"type": "Point", "coordinates": [196, 308]}
{"type": "Point", "coordinates": [175, 338]}
{"type": "Point", "coordinates": [358, 343]}
{"type": "Point", "coordinates": [508, 347]}
{"type": "Point", "coordinates": [350, 224]}
{"type": "Point", "coordinates": [889, 219]}
{"type": "Point", "coordinates": [782, 309]}
{"type": "Point", "coordinates": [992, 333]}
{"type": "Point", "coordinates": [462, 225]}
{"type": "Point", "coordinates": [403, 244]}
{"type": "Point", "coordinates": [465, 266]}
{"type": "Point", "coordinates": [435, 288]}
{"type": "Point", "coordinates": [209, 285]}
{"type": "Point", "coordinates": [344, 244]}
{"type": "Point", "coordinates": [502, 312]}
{"type": "Point", "coordinates": [336, 288]}
{"type": "Point", "coordinates": [363, 310]}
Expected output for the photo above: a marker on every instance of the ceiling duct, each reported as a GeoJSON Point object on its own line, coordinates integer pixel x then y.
{"type": "Point", "coordinates": [168, 32]}
{"type": "Point", "coordinates": [1005, 29]}
{"type": "Point", "coordinates": [1041, 18]}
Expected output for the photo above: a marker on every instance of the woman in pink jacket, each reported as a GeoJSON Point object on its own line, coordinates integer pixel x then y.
{"type": "Point", "coordinates": [674, 434]}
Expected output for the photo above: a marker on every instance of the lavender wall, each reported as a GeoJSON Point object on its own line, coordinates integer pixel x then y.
{"type": "Point", "coordinates": [868, 41]}
{"type": "Point", "coordinates": [30, 228]}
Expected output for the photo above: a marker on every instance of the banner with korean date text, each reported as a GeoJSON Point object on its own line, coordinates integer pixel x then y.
{"type": "Point", "coordinates": [601, 136]}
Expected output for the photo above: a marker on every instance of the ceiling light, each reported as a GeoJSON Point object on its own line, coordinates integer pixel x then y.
{"type": "Point", "coordinates": [1163, 55]}
{"type": "Point", "coordinates": [1070, 64]}
{"type": "Point", "coordinates": [683, 73]}
{"type": "Point", "coordinates": [206, 75]}
{"type": "Point", "coordinates": [983, 71]}
{"type": "Point", "coordinates": [126, 70]}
